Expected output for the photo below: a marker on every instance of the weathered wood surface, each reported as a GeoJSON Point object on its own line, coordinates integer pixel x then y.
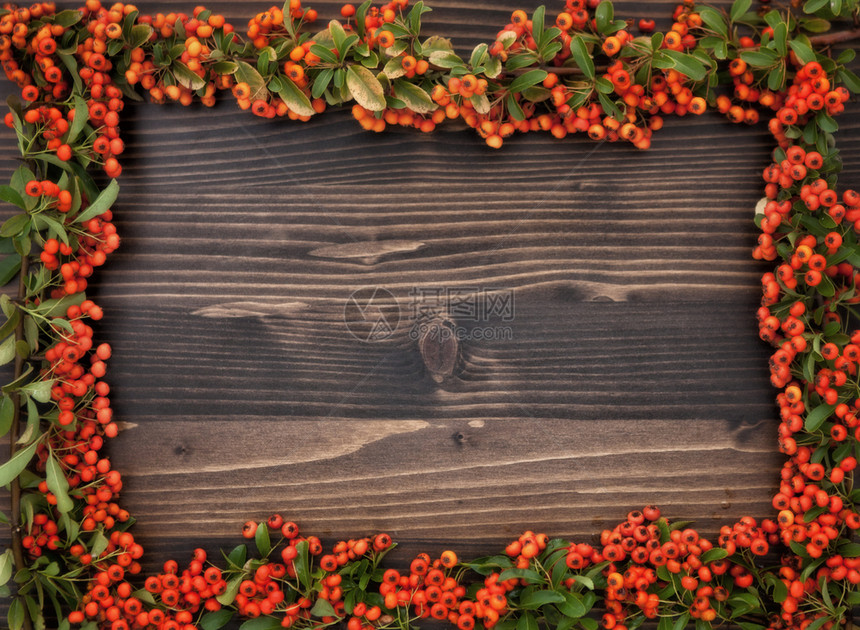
{"type": "Point", "coordinates": [628, 372]}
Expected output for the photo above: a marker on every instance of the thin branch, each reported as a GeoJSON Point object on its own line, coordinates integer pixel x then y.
{"type": "Point", "coordinates": [826, 39]}
{"type": "Point", "coordinates": [17, 546]}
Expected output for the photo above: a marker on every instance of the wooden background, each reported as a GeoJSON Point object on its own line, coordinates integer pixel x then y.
{"type": "Point", "coordinates": [631, 372]}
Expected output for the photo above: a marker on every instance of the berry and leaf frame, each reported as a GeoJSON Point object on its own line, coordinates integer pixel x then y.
{"type": "Point", "coordinates": [73, 558]}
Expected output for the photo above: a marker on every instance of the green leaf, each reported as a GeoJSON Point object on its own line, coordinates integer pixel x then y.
{"type": "Point", "coordinates": [262, 541]}
{"type": "Point", "coordinates": [58, 307]}
{"type": "Point", "coordinates": [238, 556]}
{"type": "Point", "coordinates": [246, 73]}
{"type": "Point", "coordinates": [814, 5]}
{"type": "Point", "coordinates": [586, 581]}
{"type": "Point", "coordinates": [778, 589]}
{"type": "Point", "coordinates": [604, 15]}
{"type": "Point", "coordinates": [573, 605]}
{"type": "Point", "coordinates": [7, 413]}
{"type": "Point", "coordinates": [321, 82]}
{"type": "Point", "coordinates": [776, 77]}
{"type": "Point", "coordinates": [479, 54]}
{"type": "Point", "coordinates": [261, 623]}
{"type": "Point", "coordinates": [302, 565]}
{"type": "Point", "coordinates": [846, 56]}
{"type": "Point", "coordinates": [550, 46]}
{"type": "Point", "coordinates": [520, 60]}
{"type": "Point", "coordinates": [7, 563]}
{"type": "Point", "coordinates": [445, 59]}
{"type": "Point", "coordinates": [295, 99]}
{"type": "Point", "coordinates": [229, 595]}
{"type": "Point", "coordinates": [67, 18]}
{"type": "Point", "coordinates": [527, 622]}
{"type": "Point", "coordinates": [414, 16]}
{"type": "Point", "coordinates": [803, 51]}
{"type": "Point", "coordinates": [714, 20]}
{"type": "Point", "coordinates": [79, 120]}
{"type": "Point", "coordinates": [481, 103]}
{"type": "Point", "coordinates": [15, 225]}
{"type": "Point", "coordinates": [815, 25]}
{"type": "Point", "coordinates": [58, 484]}
{"type": "Point", "coordinates": [415, 98]}
{"type": "Point", "coordinates": [526, 80]}
{"type": "Point", "coordinates": [762, 58]}
{"type": "Point", "coordinates": [392, 69]}
{"type": "Point", "coordinates": [12, 468]}
{"type": "Point", "coordinates": [98, 544]}
{"type": "Point", "coordinates": [826, 123]}
{"type": "Point", "coordinates": [324, 53]}
{"type": "Point", "coordinates": [360, 12]}
{"type": "Point", "coordinates": [43, 222]}
{"type": "Point", "coordinates": [742, 603]}
{"type": "Point", "coordinates": [139, 35]}
{"type": "Point", "coordinates": [10, 195]}
{"type": "Point", "coordinates": [186, 78]}
{"type": "Point", "coordinates": [338, 35]}
{"type": "Point", "coordinates": [225, 67]}
{"type": "Point", "coordinates": [365, 88]}
{"type": "Point", "coordinates": [682, 62]}
{"type": "Point", "coordinates": [780, 38]}
{"type": "Point", "coordinates": [529, 575]}
{"type": "Point", "coordinates": [15, 614]}
{"type": "Point", "coordinates": [589, 624]}
{"type": "Point", "coordinates": [739, 9]}
{"type": "Point", "coordinates": [609, 107]}
{"type": "Point", "coordinates": [604, 85]}
{"type": "Point", "coordinates": [536, 599]}
{"type": "Point", "coordinates": [715, 553]}
{"type": "Point", "coordinates": [14, 315]}
{"type": "Point", "coordinates": [850, 80]}
{"type": "Point", "coordinates": [849, 549]}
{"type": "Point", "coordinates": [535, 94]}
{"type": "Point", "coordinates": [492, 68]}
{"type": "Point", "coordinates": [216, 619]}
{"type": "Point", "coordinates": [514, 108]}
{"type": "Point", "coordinates": [9, 267]}
{"type": "Point", "coordinates": [101, 204]}
{"type": "Point", "coordinates": [681, 621]}
{"type": "Point", "coordinates": [816, 417]}
{"type": "Point", "coordinates": [13, 386]}
{"type": "Point", "coordinates": [322, 608]}
{"type": "Point", "coordinates": [7, 350]}
{"type": "Point", "coordinates": [33, 418]}
{"type": "Point", "coordinates": [538, 23]}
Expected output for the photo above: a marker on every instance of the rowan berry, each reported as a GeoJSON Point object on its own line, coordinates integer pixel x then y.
{"type": "Point", "coordinates": [611, 45]}
{"type": "Point", "coordinates": [385, 39]}
{"type": "Point", "coordinates": [249, 529]}
{"type": "Point", "coordinates": [448, 559]}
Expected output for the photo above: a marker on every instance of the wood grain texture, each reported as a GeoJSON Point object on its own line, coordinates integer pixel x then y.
{"type": "Point", "coordinates": [627, 372]}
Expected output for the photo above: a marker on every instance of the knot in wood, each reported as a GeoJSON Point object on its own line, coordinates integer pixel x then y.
{"type": "Point", "coordinates": [437, 343]}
